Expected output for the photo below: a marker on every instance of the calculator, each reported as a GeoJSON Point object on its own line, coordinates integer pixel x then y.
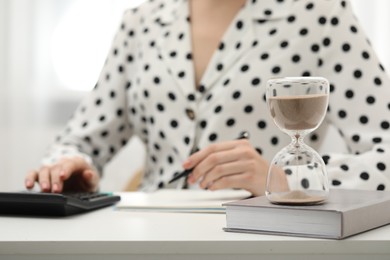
{"type": "Point", "coordinates": [52, 204]}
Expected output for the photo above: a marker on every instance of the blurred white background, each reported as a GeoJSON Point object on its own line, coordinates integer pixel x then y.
{"type": "Point", "coordinates": [51, 53]}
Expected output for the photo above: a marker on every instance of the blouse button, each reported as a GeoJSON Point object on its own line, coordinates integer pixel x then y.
{"type": "Point", "coordinates": [190, 114]}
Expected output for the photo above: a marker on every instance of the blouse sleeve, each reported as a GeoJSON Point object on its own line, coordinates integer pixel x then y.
{"type": "Point", "coordinates": [101, 124]}
{"type": "Point", "coordinates": [359, 103]}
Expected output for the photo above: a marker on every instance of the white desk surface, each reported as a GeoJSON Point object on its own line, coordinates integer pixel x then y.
{"type": "Point", "coordinates": [116, 234]}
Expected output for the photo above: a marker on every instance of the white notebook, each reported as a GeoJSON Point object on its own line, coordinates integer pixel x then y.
{"type": "Point", "coordinates": [180, 200]}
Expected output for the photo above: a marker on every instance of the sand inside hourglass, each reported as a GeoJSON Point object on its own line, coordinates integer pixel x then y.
{"type": "Point", "coordinates": [296, 115]}
{"type": "Point", "coordinates": [298, 112]}
{"type": "Point", "coordinates": [297, 197]}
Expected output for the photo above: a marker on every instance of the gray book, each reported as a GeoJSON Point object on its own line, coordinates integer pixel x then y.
{"type": "Point", "coordinates": [346, 213]}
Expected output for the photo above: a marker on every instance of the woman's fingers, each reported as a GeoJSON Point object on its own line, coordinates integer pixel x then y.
{"type": "Point", "coordinates": [215, 154]}
{"type": "Point", "coordinates": [224, 154]}
{"type": "Point", "coordinates": [211, 162]}
{"type": "Point", "coordinates": [92, 179]}
{"type": "Point", "coordinates": [221, 170]}
{"type": "Point", "coordinates": [56, 173]}
{"type": "Point", "coordinates": [76, 173]}
{"type": "Point", "coordinates": [30, 179]}
{"type": "Point", "coordinates": [63, 171]}
{"type": "Point", "coordinates": [199, 156]}
{"type": "Point", "coordinates": [44, 179]}
{"type": "Point", "coordinates": [237, 181]}
{"type": "Point", "coordinates": [234, 164]}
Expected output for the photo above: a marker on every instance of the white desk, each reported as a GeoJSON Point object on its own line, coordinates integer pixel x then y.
{"type": "Point", "coordinates": [112, 234]}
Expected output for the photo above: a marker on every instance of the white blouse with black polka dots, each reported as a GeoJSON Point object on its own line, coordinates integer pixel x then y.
{"type": "Point", "coordinates": [147, 88]}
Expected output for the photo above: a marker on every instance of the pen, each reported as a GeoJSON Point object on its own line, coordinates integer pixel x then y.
{"type": "Point", "coordinates": [185, 173]}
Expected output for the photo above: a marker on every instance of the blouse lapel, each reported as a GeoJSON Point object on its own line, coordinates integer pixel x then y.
{"type": "Point", "coordinates": [174, 45]}
{"type": "Point", "coordinates": [236, 41]}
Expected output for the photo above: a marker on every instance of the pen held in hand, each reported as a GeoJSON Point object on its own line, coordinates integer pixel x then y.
{"type": "Point", "coordinates": [185, 173]}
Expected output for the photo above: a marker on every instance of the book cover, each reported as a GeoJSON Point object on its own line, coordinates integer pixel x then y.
{"type": "Point", "coordinates": [346, 213]}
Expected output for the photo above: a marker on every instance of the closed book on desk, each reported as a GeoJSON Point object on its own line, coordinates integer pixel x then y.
{"type": "Point", "coordinates": [346, 213]}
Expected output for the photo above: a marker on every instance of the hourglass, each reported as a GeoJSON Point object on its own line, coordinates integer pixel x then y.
{"type": "Point", "coordinates": [297, 174]}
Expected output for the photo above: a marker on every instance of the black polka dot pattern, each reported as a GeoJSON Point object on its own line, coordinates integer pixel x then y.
{"type": "Point", "coordinates": [147, 88]}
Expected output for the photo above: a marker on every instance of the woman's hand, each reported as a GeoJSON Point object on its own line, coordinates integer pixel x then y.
{"type": "Point", "coordinates": [69, 174]}
{"type": "Point", "coordinates": [233, 164]}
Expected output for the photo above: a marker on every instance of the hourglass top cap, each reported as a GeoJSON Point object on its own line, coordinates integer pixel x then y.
{"type": "Point", "coordinates": [301, 80]}
{"type": "Point", "coordinates": [297, 86]}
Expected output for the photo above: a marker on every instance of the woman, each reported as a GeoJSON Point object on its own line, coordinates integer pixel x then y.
{"type": "Point", "coordinates": [189, 76]}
